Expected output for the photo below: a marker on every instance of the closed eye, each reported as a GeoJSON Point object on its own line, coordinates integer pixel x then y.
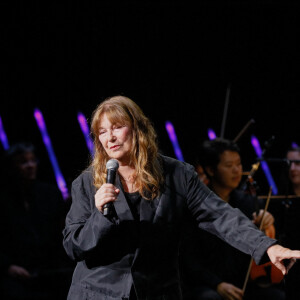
{"type": "Point", "coordinates": [118, 126]}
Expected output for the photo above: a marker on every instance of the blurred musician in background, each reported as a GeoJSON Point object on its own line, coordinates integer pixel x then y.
{"type": "Point", "coordinates": [207, 275]}
{"type": "Point", "coordinates": [33, 264]}
{"type": "Point", "coordinates": [286, 209]}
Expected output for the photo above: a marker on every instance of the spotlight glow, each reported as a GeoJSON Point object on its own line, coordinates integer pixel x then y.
{"type": "Point", "coordinates": [3, 136]}
{"type": "Point", "coordinates": [46, 139]}
{"type": "Point", "coordinates": [211, 134]}
{"type": "Point", "coordinates": [86, 132]}
{"type": "Point", "coordinates": [172, 135]}
{"type": "Point", "coordinates": [256, 145]}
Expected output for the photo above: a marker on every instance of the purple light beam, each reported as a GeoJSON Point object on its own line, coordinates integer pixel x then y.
{"type": "Point", "coordinates": [211, 134]}
{"type": "Point", "coordinates": [61, 183]}
{"type": "Point", "coordinates": [172, 135]}
{"type": "Point", "coordinates": [86, 131]}
{"type": "Point", "coordinates": [264, 165]}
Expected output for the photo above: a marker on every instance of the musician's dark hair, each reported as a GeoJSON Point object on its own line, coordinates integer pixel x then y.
{"type": "Point", "coordinates": [211, 151]}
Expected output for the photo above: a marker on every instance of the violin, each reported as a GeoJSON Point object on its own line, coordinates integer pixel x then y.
{"type": "Point", "coordinates": [266, 274]}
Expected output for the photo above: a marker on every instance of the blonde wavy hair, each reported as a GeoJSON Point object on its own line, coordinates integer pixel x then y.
{"type": "Point", "coordinates": [144, 153]}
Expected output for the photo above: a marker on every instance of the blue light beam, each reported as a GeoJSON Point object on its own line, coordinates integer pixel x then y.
{"type": "Point", "coordinates": [3, 136]}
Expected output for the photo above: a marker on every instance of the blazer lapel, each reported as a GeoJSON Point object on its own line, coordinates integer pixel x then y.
{"type": "Point", "coordinates": [148, 209]}
{"type": "Point", "coordinates": [121, 206]}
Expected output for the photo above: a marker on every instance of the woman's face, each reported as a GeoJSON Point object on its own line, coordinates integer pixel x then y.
{"type": "Point", "coordinates": [116, 139]}
{"type": "Point", "coordinates": [294, 171]}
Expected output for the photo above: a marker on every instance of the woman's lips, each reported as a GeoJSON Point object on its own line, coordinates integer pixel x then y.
{"type": "Point", "coordinates": [114, 147]}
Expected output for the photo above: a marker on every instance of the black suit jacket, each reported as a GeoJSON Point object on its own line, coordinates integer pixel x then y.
{"type": "Point", "coordinates": [201, 266]}
{"type": "Point", "coordinates": [114, 254]}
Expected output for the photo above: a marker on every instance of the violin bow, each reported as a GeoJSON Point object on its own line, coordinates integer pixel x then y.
{"type": "Point", "coordinates": [225, 112]}
{"type": "Point", "coordinates": [252, 121]}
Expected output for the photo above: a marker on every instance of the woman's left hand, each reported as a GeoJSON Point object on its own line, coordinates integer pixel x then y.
{"type": "Point", "coordinates": [279, 254]}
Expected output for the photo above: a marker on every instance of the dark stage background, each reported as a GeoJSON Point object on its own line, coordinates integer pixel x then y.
{"type": "Point", "coordinates": [174, 58]}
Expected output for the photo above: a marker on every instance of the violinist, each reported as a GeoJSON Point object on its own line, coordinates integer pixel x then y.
{"type": "Point", "coordinates": [222, 276]}
{"type": "Point", "coordinates": [286, 209]}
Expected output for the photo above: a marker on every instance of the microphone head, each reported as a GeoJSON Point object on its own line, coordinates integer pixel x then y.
{"type": "Point", "coordinates": [112, 164]}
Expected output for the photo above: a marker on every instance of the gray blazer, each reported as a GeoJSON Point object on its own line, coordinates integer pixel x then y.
{"type": "Point", "coordinates": [114, 254]}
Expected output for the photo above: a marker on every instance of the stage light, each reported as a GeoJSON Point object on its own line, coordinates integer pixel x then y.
{"type": "Point", "coordinates": [295, 145]}
{"type": "Point", "coordinates": [3, 136]}
{"type": "Point", "coordinates": [86, 131]}
{"type": "Point", "coordinates": [211, 134]}
{"type": "Point", "coordinates": [172, 135]}
{"type": "Point", "coordinates": [256, 145]}
{"type": "Point", "coordinates": [46, 139]}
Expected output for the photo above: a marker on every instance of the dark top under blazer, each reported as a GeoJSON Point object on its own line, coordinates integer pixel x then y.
{"type": "Point", "coordinates": [115, 254]}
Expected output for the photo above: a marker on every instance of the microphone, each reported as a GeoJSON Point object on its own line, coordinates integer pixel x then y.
{"type": "Point", "coordinates": [112, 166]}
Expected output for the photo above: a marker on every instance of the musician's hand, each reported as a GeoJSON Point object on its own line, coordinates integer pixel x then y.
{"type": "Point", "coordinates": [229, 291]}
{"type": "Point", "coordinates": [267, 221]}
{"type": "Point", "coordinates": [278, 255]}
{"type": "Point", "coordinates": [18, 272]}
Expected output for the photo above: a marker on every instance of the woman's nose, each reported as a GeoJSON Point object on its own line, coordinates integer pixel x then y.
{"type": "Point", "coordinates": [111, 135]}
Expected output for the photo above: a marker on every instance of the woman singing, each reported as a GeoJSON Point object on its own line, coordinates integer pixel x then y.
{"type": "Point", "coordinates": [132, 253]}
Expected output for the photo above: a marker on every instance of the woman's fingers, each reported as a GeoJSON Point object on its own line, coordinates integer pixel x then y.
{"type": "Point", "coordinates": [279, 255]}
{"type": "Point", "coordinates": [107, 193]}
